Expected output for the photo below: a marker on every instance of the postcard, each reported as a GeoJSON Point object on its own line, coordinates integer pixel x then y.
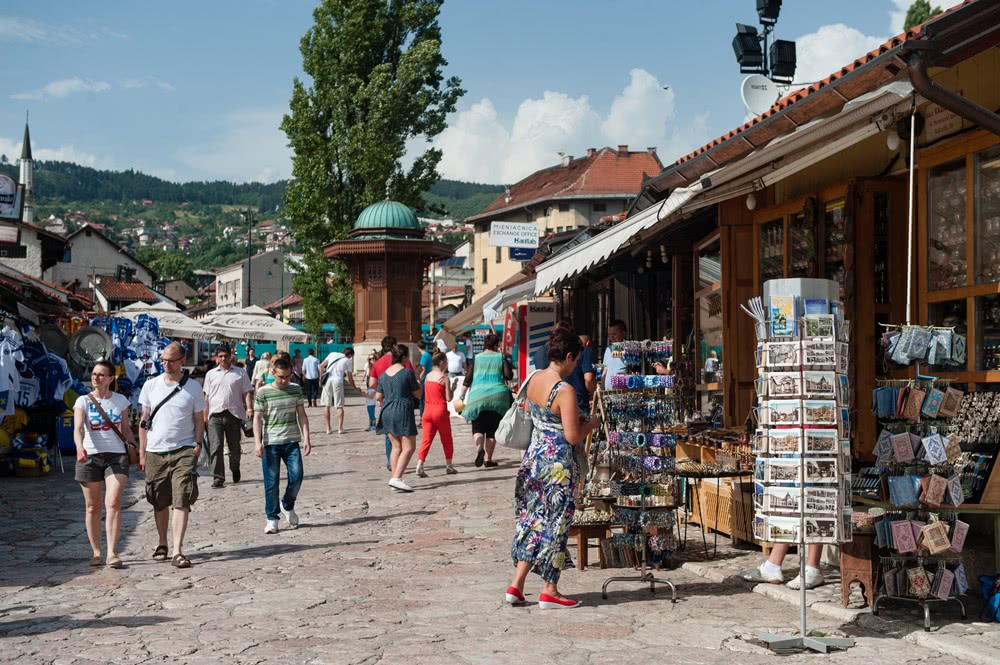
{"type": "Point", "coordinates": [784, 384]}
{"type": "Point", "coordinates": [819, 412]}
{"type": "Point", "coordinates": [785, 441]}
{"type": "Point", "coordinates": [784, 412]}
{"type": "Point", "coordinates": [822, 470]}
{"type": "Point", "coordinates": [819, 354]}
{"type": "Point", "coordinates": [844, 389]}
{"type": "Point", "coordinates": [821, 500]}
{"type": "Point", "coordinates": [783, 354]}
{"type": "Point", "coordinates": [819, 384]}
{"type": "Point", "coordinates": [821, 441]}
{"type": "Point", "coordinates": [783, 499]}
{"type": "Point", "coordinates": [780, 470]}
{"type": "Point", "coordinates": [821, 529]}
{"type": "Point", "coordinates": [819, 325]}
{"type": "Point", "coordinates": [760, 441]}
{"type": "Point", "coordinates": [817, 306]}
{"type": "Point", "coordinates": [783, 529]}
{"type": "Point", "coordinates": [784, 321]}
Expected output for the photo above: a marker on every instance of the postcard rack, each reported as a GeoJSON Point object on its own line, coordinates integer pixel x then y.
{"type": "Point", "coordinates": [802, 481]}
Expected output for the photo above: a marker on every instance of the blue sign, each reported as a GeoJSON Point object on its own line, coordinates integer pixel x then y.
{"type": "Point", "coordinates": [522, 253]}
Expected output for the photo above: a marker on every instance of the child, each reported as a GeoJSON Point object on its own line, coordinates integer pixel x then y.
{"type": "Point", "coordinates": [437, 393]}
{"type": "Point", "coordinates": [370, 404]}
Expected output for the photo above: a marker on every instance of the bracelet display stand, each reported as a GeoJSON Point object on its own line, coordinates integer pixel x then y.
{"type": "Point", "coordinates": [802, 473]}
{"type": "Point", "coordinates": [633, 441]}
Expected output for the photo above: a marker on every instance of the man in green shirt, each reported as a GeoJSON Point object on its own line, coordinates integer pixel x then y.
{"type": "Point", "coordinates": [280, 424]}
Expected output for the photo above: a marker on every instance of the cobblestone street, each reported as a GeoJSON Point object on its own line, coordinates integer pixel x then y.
{"type": "Point", "coordinates": [371, 576]}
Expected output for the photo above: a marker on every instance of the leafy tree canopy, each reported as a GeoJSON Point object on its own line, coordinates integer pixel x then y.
{"type": "Point", "coordinates": [919, 12]}
{"type": "Point", "coordinates": [375, 84]}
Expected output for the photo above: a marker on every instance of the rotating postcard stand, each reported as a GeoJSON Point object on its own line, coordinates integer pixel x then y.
{"type": "Point", "coordinates": [802, 472]}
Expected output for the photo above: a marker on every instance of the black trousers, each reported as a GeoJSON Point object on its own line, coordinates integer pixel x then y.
{"type": "Point", "coordinates": [226, 427]}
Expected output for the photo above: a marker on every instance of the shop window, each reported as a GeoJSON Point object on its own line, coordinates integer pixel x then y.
{"type": "Point", "coordinates": [772, 250]}
{"type": "Point", "coordinates": [486, 265]}
{"type": "Point", "coordinates": [801, 246]}
{"type": "Point", "coordinates": [563, 207]}
{"type": "Point", "coordinates": [835, 243]}
{"type": "Point", "coordinates": [559, 229]}
{"type": "Point", "coordinates": [600, 207]}
{"type": "Point", "coordinates": [946, 195]}
{"type": "Point", "coordinates": [949, 314]}
{"type": "Point", "coordinates": [499, 254]}
{"type": "Point", "coordinates": [987, 235]}
{"type": "Point", "coordinates": [988, 332]}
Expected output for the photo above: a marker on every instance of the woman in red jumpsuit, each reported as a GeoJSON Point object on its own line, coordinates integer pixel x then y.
{"type": "Point", "coordinates": [437, 394]}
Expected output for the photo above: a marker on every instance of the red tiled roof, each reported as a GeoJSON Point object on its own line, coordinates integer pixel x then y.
{"type": "Point", "coordinates": [284, 302]}
{"type": "Point", "coordinates": [606, 172]}
{"type": "Point", "coordinates": [112, 289]}
{"type": "Point", "coordinates": [802, 94]}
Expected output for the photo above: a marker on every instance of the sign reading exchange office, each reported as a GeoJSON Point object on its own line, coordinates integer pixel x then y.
{"type": "Point", "coordinates": [513, 234]}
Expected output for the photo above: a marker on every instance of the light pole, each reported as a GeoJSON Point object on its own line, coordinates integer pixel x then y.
{"type": "Point", "coordinates": [248, 215]}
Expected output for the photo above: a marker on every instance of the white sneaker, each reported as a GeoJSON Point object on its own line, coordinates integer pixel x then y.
{"type": "Point", "coordinates": [814, 578]}
{"type": "Point", "coordinates": [271, 526]}
{"type": "Point", "coordinates": [293, 519]}
{"type": "Point", "coordinates": [397, 483]}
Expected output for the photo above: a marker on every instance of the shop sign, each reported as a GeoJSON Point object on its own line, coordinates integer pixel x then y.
{"type": "Point", "coordinates": [941, 122]}
{"type": "Point", "coordinates": [10, 200]}
{"type": "Point", "coordinates": [522, 253]}
{"type": "Point", "coordinates": [509, 330]}
{"type": "Point", "coordinates": [513, 234]}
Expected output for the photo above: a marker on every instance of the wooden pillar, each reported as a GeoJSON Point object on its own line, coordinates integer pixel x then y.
{"type": "Point", "coordinates": [739, 341]}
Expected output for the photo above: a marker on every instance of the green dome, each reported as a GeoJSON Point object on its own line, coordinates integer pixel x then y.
{"type": "Point", "coordinates": [388, 215]}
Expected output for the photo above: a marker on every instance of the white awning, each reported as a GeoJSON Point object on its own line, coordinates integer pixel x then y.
{"type": "Point", "coordinates": [251, 323]}
{"type": "Point", "coordinates": [173, 323]}
{"type": "Point", "coordinates": [495, 307]}
{"type": "Point", "coordinates": [563, 266]}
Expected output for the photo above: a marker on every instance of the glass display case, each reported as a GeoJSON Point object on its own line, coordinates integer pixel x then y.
{"type": "Point", "coordinates": [988, 332]}
{"type": "Point", "coordinates": [772, 249]}
{"type": "Point", "coordinates": [801, 246]}
{"type": "Point", "coordinates": [987, 205]}
{"type": "Point", "coordinates": [835, 243]}
{"type": "Point", "coordinates": [946, 198]}
{"type": "Point", "coordinates": [881, 248]}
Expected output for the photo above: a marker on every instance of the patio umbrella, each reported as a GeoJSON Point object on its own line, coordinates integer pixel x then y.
{"type": "Point", "coordinates": [173, 322]}
{"type": "Point", "coordinates": [251, 323]}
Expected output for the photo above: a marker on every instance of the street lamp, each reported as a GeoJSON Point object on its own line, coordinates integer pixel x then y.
{"type": "Point", "coordinates": [248, 217]}
{"type": "Point", "coordinates": [753, 48]}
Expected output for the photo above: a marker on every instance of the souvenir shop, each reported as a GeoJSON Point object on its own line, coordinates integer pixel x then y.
{"type": "Point", "coordinates": [909, 239]}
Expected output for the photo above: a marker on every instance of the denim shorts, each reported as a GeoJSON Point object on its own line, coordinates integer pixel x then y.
{"type": "Point", "coordinates": [96, 468]}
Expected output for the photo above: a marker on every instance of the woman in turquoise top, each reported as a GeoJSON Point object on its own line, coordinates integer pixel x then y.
{"type": "Point", "coordinates": [488, 397]}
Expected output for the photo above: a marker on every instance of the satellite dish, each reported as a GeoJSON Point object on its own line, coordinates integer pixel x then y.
{"type": "Point", "coordinates": [759, 93]}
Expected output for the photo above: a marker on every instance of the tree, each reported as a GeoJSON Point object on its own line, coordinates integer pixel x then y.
{"type": "Point", "coordinates": [919, 12]}
{"type": "Point", "coordinates": [375, 84]}
{"type": "Point", "coordinates": [172, 266]}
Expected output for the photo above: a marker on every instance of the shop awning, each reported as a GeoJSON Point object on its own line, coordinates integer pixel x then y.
{"type": "Point", "coordinates": [494, 309]}
{"type": "Point", "coordinates": [173, 323]}
{"type": "Point", "coordinates": [251, 323]}
{"type": "Point", "coordinates": [563, 266]}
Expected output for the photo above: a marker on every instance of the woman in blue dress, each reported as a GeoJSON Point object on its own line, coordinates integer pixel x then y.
{"type": "Point", "coordinates": [397, 389]}
{"type": "Point", "coordinates": [543, 497]}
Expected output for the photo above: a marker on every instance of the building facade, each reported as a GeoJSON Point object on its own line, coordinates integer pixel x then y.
{"type": "Point", "coordinates": [88, 253]}
{"type": "Point", "coordinates": [268, 279]}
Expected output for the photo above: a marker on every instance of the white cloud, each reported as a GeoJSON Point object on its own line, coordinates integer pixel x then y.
{"type": "Point", "coordinates": [248, 145]}
{"type": "Point", "coordinates": [135, 84]}
{"type": "Point", "coordinates": [829, 48]}
{"type": "Point", "coordinates": [63, 88]}
{"type": "Point", "coordinates": [63, 153]}
{"type": "Point", "coordinates": [479, 145]}
{"type": "Point", "coordinates": [897, 15]}
{"type": "Point", "coordinates": [26, 30]}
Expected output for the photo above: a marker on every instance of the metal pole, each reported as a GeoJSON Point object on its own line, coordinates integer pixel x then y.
{"type": "Point", "coordinates": [249, 216]}
{"type": "Point", "coordinates": [909, 222]}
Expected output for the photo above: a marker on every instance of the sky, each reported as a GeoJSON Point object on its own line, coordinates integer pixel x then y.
{"type": "Point", "coordinates": [196, 90]}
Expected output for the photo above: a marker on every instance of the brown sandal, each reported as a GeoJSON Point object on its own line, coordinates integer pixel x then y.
{"type": "Point", "coordinates": [160, 553]}
{"type": "Point", "coordinates": [180, 561]}
{"type": "Point", "coordinates": [114, 561]}
{"type": "Point", "coordinates": [96, 561]}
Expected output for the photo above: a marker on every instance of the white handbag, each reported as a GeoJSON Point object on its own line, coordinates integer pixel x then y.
{"type": "Point", "coordinates": [515, 427]}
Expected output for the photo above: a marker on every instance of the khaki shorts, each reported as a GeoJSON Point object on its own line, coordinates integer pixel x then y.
{"type": "Point", "coordinates": [171, 479]}
{"type": "Point", "coordinates": [333, 394]}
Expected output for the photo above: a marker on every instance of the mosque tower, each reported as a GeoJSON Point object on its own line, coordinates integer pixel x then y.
{"type": "Point", "coordinates": [27, 177]}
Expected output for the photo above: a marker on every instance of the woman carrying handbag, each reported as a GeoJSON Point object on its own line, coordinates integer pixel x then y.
{"type": "Point", "coordinates": [105, 448]}
{"type": "Point", "coordinates": [544, 499]}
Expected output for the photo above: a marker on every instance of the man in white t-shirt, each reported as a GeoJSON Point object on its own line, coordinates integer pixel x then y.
{"type": "Point", "coordinates": [170, 434]}
{"type": "Point", "coordinates": [612, 365]}
{"type": "Point", "coordinates": [310, 371]}
{"type": "Point", "coordinates": [339, 370]}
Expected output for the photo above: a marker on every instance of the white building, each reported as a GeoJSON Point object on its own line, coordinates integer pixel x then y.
{"type": "Point", "coordinates": [270, 280]}
{"type": "Point", "coordinates": [88, 253]}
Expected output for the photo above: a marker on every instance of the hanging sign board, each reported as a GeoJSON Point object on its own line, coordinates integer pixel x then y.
{"type": "Point", "coordinates": [522, 253]}
{"type": "Point", "coordinates": [513, 234]}
{"type": "Point", "coordinates": [941, 122]}
{"type": "Point", "coordinates": [11, 200]}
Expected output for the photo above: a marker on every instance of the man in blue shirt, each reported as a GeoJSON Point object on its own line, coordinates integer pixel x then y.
{"type": "Point", "coordinates": [583, 378]}
{"type": "Point", "coordinates": [425, 368]}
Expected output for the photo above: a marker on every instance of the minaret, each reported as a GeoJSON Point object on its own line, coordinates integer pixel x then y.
{"type": "Point", "coordinates": [27, 177]}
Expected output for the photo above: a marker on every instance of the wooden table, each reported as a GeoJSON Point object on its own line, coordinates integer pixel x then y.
{"type": "Point", "coordinates": [583, 533]}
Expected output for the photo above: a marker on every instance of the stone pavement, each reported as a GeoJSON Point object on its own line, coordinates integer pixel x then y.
{"type": "Point", "coordinates": [371, 576]}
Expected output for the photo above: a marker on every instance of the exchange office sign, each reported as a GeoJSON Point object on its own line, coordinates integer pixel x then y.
{"type": "Point", "coordinates": [513, 234]}
{"type": "Point", "coordinates": [10, 200]}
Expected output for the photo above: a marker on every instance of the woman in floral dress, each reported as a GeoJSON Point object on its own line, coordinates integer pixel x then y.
{"type": "Point", "coordinates": [543, 495]}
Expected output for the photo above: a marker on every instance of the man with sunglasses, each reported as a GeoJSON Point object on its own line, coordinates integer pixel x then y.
{"type": "Point", "coordinates": [170, 433]}
{"type": "Point", "coordinates": [229, 399]}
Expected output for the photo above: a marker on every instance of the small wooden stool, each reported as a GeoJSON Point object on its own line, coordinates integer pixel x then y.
{"type": "Point", "coordinates": [583, 534]}
{"type": "Point", "coordinates": [859, 562]}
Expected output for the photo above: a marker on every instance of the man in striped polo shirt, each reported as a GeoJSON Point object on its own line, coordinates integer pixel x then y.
{"type": "Point", "coordinates": [280, 424]}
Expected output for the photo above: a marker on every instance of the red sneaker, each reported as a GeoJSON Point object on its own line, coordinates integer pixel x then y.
{"type": "Point", "coordinates": [547, 602]}
{"type": "Point", "coordinates": [514, 597]}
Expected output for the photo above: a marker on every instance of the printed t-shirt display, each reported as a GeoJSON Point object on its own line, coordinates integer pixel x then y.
{"type": "Point", "coordinates": [98, 437]}
{"type": "Point", "coordinates": [280, 409]}
{"type": "Point", "coordinates": [173, 426]}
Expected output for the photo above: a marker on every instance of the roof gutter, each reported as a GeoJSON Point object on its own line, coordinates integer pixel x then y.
{"type": "Point", "coordinates": [949, 99]}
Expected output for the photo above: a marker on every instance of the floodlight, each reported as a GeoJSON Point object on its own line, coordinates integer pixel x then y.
{"type": "Point", "coordinates": [746, 46]}
{"type": "Point", "coordinates": [768, 10]}
{"type": "Point", "coordinates": [782, 60]}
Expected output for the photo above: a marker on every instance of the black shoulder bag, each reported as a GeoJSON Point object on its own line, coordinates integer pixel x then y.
{"type": "Point", "coordinates": [147, 424]}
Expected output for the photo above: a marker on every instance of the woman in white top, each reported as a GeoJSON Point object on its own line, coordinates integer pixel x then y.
{"type": "Point", "coordinates": [99, 449]}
